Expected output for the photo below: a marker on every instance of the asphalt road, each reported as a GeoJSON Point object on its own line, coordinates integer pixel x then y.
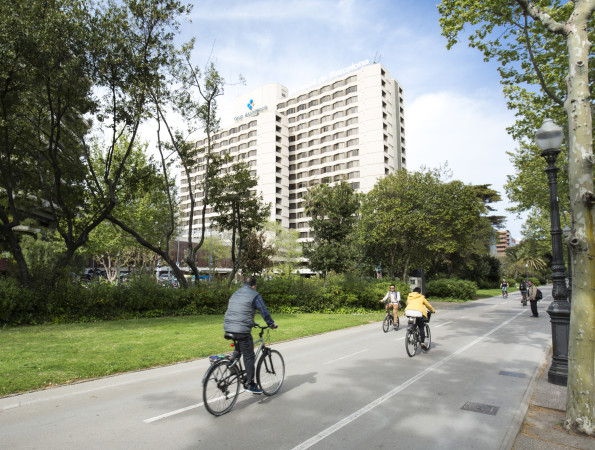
{"type": "Point", "coordinates": [353, 389]}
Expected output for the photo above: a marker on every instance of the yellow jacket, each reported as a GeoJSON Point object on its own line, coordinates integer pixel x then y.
{"type": "Point", "coordinates": [417, 302]}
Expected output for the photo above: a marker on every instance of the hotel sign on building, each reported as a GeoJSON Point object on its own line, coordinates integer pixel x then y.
{"type": "Point", "coordinates": [347, 126]}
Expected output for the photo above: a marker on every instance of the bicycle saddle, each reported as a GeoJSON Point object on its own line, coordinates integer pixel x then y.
{"type": "Point", "coordinates": [230, 336]}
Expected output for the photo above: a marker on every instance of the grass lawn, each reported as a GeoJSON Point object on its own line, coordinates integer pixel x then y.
{"type": "Point", "coordinates": [486, 293]}
{"type": "Point", "coordinates": [36, 357]}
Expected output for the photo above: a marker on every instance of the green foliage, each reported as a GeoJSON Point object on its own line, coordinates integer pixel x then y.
{"type": "Point", "coordinates": [143, 297]}
{"type": "Point", "coordinates": [451, 288]}
{"type": "Point", "coordinates": [333, 212]}
{"type": "Point", "coordinates": [257, 254]}
{"type": "Point", "coordinates": [484, 270]}
{"type": "Point", "coordinates": [66, 67]}
{"type": "Point", "coordinates": [414, 219]}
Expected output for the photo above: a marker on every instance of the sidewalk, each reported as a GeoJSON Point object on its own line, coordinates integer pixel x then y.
{"type": "Point", "coordinates": [542, 427]}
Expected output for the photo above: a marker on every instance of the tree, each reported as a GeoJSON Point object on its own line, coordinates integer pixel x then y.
{"type": "Point", "coordinates": [196, 101]}
{"type": "Point", "coordinates": [415, 219]}
{"type": "Point", "coordinates": [333, 211]}
{"type": "Point", "coordinates": [257, 254]}
{"type": "Point", "coordinates": [67, 67]}
{"type": "Point", "coordinates": [546, 45]}
{"type": "Point", "coordinates": [143, 209]}
{"type": "Point", "coordinates": [239, 209]}
{"type": "Point", "coordinates": [288, 251]}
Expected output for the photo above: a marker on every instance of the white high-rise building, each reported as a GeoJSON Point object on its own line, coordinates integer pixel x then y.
{"type": "Point", "coordinates": [350, 126]}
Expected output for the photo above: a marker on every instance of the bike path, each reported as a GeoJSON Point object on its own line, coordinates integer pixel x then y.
{"type": "Point", "coordinates": [351, 388]}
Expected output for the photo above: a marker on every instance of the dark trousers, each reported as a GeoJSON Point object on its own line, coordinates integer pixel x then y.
{"type": "Point", "coordinates": [421, 324]}
{"type": "Point", "coordinates": [534, 307]}
{"type": "Point", "coordinates": [246, 344]}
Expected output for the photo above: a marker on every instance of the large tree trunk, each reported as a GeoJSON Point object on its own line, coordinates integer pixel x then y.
{"type": "Point", "coordinates": [580, 408]}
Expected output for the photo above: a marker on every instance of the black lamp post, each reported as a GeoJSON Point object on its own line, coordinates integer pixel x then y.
{"type": "Point", "coordinates": [567, 232]}
{"type": "Point", "coordinates": [548, 139]}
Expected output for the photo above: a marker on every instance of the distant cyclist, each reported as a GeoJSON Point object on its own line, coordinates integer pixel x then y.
{"type": "Point", "coordinates": [392, 299]}
{"type": "Point", "coordinates": [504, 287]}
{"type": "Point", "coordinates": [418, 307]}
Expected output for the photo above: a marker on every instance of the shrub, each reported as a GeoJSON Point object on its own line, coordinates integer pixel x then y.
{"type": "Point", "coordinates": [451, 288]}
{"type": "Point", "coordinates": [142, 297]}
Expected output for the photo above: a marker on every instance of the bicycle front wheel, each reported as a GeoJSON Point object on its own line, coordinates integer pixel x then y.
{"type": "Point", "coordinates": [270, 372]}
{"type": "Point", "coordinates": [220, 389]}
{"type": "Point", "coordinates": [397, 324]}
{"type": "Point", "coordinates": [428, 341]}
{"type": "Point", "coordinates": [411, 342]}
{"type": "Point", "coordinates": [386, 324]}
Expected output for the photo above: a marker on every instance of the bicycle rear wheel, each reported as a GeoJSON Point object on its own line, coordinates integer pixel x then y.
{"type": "Point", "coordinates": [220, 389]}
{"type": "Point", "coordinates": [411, 342]}
{"type": "Point", "coordinates": [428, 340]}
{"type": "Point", "coordinates": [386, 323]}
{"type": "Point", "coordinates": [270, 371]}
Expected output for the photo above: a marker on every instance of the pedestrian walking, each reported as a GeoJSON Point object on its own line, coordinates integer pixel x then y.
{"type": "Point", "coordinates": [532, 294]}
{"type": "Point", "coordinates": [523, 289]}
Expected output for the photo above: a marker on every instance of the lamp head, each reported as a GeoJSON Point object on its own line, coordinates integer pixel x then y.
{"type": "Point", "coordinates": [549, 136]}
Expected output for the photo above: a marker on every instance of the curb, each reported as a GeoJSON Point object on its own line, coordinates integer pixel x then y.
{"type": "Point", "coordinates": [517, 422]}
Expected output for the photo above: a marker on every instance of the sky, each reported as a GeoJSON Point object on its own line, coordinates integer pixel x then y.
{"type": "Point", "coordinates": [455, 112]}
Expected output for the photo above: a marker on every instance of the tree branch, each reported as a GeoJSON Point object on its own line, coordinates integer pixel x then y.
{"type": "Point", "coordinates": [542, 82]}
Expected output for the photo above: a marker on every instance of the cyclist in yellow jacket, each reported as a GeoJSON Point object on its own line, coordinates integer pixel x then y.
{"type": "Point", "coordinates": [418, 307]}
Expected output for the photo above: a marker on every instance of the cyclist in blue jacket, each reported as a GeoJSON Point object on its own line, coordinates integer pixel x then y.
{"type": "Point", "coordinates": [239, 320]}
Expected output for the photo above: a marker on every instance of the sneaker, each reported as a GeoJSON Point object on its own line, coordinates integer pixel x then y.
{"type": "Point", "coordinates": [424, 347]}
{"type": "Point", "coordinates": [395, 327]}
{"type": "Point", "coordinates": [254, 389]}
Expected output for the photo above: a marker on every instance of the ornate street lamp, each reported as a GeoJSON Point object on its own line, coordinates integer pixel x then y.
{"type": "Point", "coordinates": [549, 138]}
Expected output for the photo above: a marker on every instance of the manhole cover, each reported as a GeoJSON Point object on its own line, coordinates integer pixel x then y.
{"type": "Point", "coordinates": [512, 374]}
{"type": "Point", "coordinates": [481, 408]}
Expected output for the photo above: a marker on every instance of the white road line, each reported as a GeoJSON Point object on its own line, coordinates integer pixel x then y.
{"type": "Point", "coordinates": [347, 420]}
{"type": "Point", "coordinates": [346, 356]}
{"type": "Point", "coordinates": [173, 413]}
{"type": "Point", "coordinates": [445, 323]}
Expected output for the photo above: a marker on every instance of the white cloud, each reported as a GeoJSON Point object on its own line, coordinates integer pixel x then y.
{"type": "Point", "coordinates": [467, 132]}
{"type": "Point", "coordinates": [454, 109]}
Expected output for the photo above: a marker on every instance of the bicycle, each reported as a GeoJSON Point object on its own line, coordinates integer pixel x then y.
{"type": "Point", "coordinates": [412, 336]}
{"type": "Point", "coordinates": [221, 382]}
{"type": "Point", "coordinates": [524, 298]}
{"type": "Point", "coordinates": [388, 321]}
{"type": "Point", "coordinates": [504, 293]}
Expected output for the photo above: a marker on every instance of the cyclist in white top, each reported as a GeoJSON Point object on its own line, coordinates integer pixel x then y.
{"type": "Point", "coordinates": [392, 299]}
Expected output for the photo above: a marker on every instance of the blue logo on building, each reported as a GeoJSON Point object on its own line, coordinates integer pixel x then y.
{"type": "Point", "coordinates": [250, 104]}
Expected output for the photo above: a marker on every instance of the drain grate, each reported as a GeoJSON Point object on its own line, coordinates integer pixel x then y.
{"type": "Point", "coordinates": [512, 374]}
{"type": "Point", "coordinates": [480, 408]}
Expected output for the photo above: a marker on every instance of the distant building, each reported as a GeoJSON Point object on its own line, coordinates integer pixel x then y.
{"type": "Point", "coordinates": [348, 126]}
{"type": "Point", "coordinates": [503, 241]}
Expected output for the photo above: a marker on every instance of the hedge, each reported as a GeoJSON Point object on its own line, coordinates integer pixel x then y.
{"type": "Point", "coordinates": [142, 297]}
